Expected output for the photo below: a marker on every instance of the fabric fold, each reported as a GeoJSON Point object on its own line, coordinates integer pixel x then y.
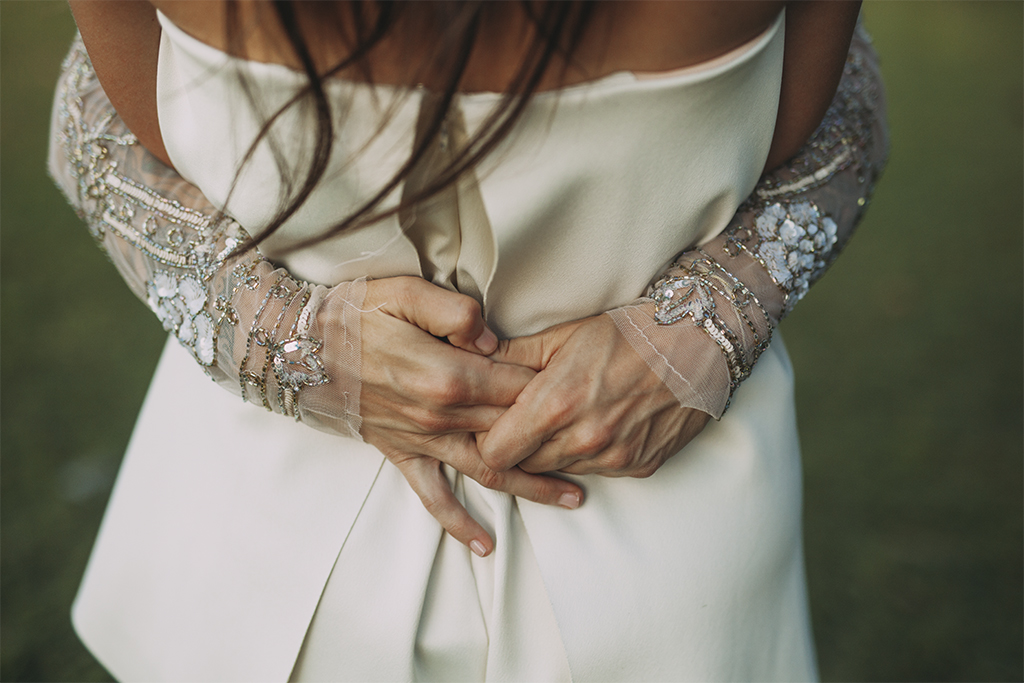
{"type": "Point", "coordinates": [450, 231]}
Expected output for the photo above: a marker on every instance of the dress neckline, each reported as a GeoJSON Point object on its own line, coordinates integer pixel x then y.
{"type": "Point", "coordinates": [702, 71]}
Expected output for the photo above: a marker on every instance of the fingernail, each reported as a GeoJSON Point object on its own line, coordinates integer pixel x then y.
{"type": "Point", "coordinates": [487, 342]}
{"type": "Point", "coordinates": [570, 501]}
{"type": "Point", "coordinates": [478, 548]}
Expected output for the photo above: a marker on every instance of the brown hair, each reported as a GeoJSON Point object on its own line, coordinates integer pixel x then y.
{"type": "Point", "coordinates": [557, 28]}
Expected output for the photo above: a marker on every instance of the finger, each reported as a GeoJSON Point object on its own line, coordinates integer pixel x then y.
{"type": "Point", "coordinates": [525, 351]}
{"type": "Point", "coordinates": [534, 351]}
{"type": "Point", "coordinates": [536, 416]}
{"type": "Point", "coordinates": [472, 418]}
{"type": "Point", "coordinates": [644, 452]}
{"type": "Point", "coordinates": [479, 381]}
{"type": "Point", "coordinates": [541, 410]}
{"type": "Point", "coordinates": [416, 419]}
{"type": "Point", "coordinates": [587, 438]}
{"type": "Point", "coordinates": [545, 490]}
{"type": "Point", "coordinates": [513, 437]}
{"type": "Point", "coordinates": [539, 489]}
{"type": "Point", "coordinates": [553, 456]}
{"type": "Point", "coordinates": [459, 451]}
{"type": "Point", "coordinates": [442, 313]}
{"type": "Point", "coordinates": [581, 467]}
{"type": "Point", "coordinates": [428, 481]}
{"type": "Point", "coordinates": [468, 380]}
{"type": "Point", "coordinates": [613, 466]}
{"type": "Point", "coordinates": [404, 363]}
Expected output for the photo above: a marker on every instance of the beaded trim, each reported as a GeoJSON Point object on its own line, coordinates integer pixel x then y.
{"type": "Point", "coordinates": [691, 294]}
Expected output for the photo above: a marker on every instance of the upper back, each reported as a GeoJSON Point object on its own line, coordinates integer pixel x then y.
{"type": "Point", "coordinates": [638, 36]}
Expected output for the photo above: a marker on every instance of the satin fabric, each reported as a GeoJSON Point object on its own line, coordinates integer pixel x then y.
{"type": "Point", "coordinates": [233, 537]}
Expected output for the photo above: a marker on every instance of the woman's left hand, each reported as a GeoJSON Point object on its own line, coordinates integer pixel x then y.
{"type": "Point", "coordinates": [594, 407]}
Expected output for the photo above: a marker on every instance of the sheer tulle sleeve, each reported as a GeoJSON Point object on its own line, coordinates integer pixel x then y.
{"type": "Point", "coordinates": [291, 346]}
{"type": "Point", "coordinates": [708, 317]}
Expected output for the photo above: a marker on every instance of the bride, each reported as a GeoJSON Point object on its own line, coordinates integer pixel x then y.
{"type": "Point", "coordinates": [502, 249]}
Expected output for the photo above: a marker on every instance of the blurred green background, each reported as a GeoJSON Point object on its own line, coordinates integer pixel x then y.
{"type": "Point", "coordinates": [908, 359]}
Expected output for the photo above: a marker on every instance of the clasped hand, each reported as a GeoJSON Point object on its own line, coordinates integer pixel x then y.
{"type": "Point", "coordinates": [574, 398]}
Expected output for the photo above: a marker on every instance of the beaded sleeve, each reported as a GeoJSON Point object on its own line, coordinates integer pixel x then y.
{"type": "Point", "coordinates": [251, 326]}
{"type": "Point", "coordinates": [709, 316]}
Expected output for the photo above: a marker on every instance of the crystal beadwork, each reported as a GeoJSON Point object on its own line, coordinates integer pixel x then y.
{"type": "Point", "coordinates": [297, 363]}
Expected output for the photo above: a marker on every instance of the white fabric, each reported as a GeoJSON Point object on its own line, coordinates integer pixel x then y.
{"type": "Point", "coordinates": [227, 523]}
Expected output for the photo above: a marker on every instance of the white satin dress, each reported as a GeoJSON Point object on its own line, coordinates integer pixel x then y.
{"type": "Point", "coordinates": [239, 546]}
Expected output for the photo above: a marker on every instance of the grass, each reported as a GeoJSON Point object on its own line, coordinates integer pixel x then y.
{"type": "Point", "coordinates": [908, 359]}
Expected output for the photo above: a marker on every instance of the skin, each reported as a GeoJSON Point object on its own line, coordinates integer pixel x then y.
{"type": "Point", "coordinates": [574, 398]}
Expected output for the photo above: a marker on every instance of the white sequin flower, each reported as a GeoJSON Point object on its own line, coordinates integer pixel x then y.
{"type": "Point", "coordinates": [204, 343]}
{"type": "Point", "coordinates": [791, 233]}
{"type": "Point", "coordinates": [767, 222]}
{"type": "Point", "coordinates": [774, 256]}
{"type": "Point", "coordinates": [165, 285]}
{"type": "Point", "coordinates": [193, 293]}
{"type": "Point", "coordinates": [180, 305]}
{"type": "Point", "coordinates": [794, 242]}
{"type": "Point", "coordinates": [187, 333]}
{"type": "Point", "coordinates": [830, 228]}
{"type": "Point", "coordinates": [804, 213]}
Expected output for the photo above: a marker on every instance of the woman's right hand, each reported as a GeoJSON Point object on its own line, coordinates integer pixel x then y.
{"type": "Point", "coordinates": [423, 398]}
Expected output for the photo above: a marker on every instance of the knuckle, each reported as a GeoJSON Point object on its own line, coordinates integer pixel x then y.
{"type": "Point", "coordinates": [561, 408]}
{"type": "Point", "coordinates": [447, 390]}
{"type": "Point", "coordinates": [462, 528]}
{"type": "Point", "coordinates": [407, 284]}
{"type": "Point", "coordinates": [620, 459]}
{"type": "Point", "coordinates": [403, 289]}
{"type": "Point", "coordinates": [467, 311]}
{"type": "Point", "coordinates": [430, 421]}
{"type": "Point", "coordinates": [592, 438]}
{"type": "Point", "coordinates": [438, 388]}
